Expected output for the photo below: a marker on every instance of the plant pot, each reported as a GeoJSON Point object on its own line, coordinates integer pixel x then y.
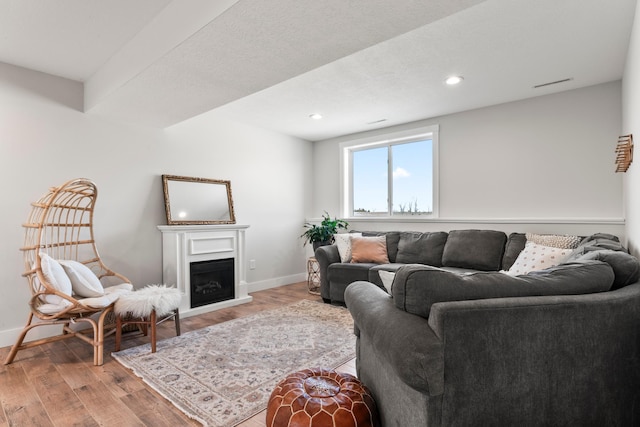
{"type": "Point", "coordinates": [316, 245]}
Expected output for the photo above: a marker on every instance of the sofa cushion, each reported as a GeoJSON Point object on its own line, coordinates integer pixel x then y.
{"type": "Point", "coordinates": [515, 245]}
{"type": "Point", "coordinates": [626, 268]}
{"type": "Point", "coordinates": [476, 249]}
{"type": "Point", "coordinates": [421, 248]}
{"type": "Point", "coordinates": [417, 287]}
{"type": "Point", "coordinates": [348, 272]}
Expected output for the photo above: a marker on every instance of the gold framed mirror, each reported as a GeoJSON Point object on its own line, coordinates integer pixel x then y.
{"type": "Point", "coordinates": [196, 201]}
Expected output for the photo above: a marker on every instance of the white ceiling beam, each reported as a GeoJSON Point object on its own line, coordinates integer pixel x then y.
{"type": "Point", "coordinates": [169, 29]}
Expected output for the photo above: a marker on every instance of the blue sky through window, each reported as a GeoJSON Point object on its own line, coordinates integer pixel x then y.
{"type": "Point", "coordinates": [412, 179]}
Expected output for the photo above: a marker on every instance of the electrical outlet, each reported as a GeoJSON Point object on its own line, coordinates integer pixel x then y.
{"type": "Point", "coordinates": [252, 264]}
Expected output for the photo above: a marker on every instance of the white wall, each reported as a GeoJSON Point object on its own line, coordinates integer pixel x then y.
{"type": "Point", "coordinates": [545, 164]}
{"type": "Point", "coordinates": [631, 124]}
{"type": "Point", "coordinates": [45, 140]}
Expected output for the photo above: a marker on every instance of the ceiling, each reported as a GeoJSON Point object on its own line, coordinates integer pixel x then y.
{"type": "Point", "coordinates": [362, 64]}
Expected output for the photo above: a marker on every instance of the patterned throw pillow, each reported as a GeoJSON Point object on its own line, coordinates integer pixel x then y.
{"type": "Point", "coordinates": [343, 242]}
{"type": "Point", "coordinates": [555, 240]}
{"type": "Point", "coordinates": [536, 257]}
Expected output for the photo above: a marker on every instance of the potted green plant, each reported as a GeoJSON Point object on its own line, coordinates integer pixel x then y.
{"type": "Point", "coordinates": [320, 235]}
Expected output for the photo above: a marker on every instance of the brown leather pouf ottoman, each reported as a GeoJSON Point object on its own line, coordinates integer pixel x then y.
{"type": "Point", "coordinates": [321, 398]}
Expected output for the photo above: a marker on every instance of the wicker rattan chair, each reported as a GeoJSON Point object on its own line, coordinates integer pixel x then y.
{"type": "Point", "coordinates": [61, 225]}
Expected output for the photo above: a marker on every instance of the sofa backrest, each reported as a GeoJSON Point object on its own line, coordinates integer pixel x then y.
{"type": "Point", "coordinates": [471, 249]}
{"type": "Point", "coordinates": [474, 249]}
{"type": "Point", "coordinates": [489, 250]}
{"type": "Point", "coordinates": [515, 244]}
{"type": "Point", "coordinates": [417, 287]}
{"type": "Point", "coordinates": [421, 248]}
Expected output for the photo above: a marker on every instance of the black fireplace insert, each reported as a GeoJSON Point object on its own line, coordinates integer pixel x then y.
{"type": "Point", "coordinates": [212, 281]}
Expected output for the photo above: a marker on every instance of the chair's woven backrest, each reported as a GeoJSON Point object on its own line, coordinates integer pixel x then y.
{"type": "Point", "coordinates": [61, 225]}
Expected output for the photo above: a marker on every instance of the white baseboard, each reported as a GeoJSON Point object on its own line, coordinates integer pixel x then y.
{"type": "Point", "coordinates": [216, 306]}
{"type": "Point", "coordinates": [276, 282]}
{"type": "Point", "coordinates": [9, 336]}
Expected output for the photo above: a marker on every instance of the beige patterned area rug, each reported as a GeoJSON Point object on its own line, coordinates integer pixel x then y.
{"type": "Point", "coordinates": [223, 374]}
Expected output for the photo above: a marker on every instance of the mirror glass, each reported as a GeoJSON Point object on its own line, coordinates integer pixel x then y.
{"type": "Point", "coordinates": [197, 200]}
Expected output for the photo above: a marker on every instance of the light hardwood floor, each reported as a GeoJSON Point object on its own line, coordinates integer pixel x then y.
{"type": "Point", "coordinates": [57, 385]}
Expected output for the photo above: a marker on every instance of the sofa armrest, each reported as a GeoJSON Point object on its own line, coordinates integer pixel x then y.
{"type": "Point", "coordinates": [326, 255]}
{"type": "Point", "coordinates": [405, 340]}
{"type": "Point", "coordinates": [519, 313]}
{"type": "Point", "coordinates": [578, 346]}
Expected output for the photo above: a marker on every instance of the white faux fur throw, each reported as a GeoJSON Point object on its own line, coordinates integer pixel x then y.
{"type": "Point", "coordinates": [140, 303]}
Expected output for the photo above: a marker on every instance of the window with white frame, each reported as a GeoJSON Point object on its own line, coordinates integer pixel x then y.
{"type": "Point", "coordinates": [393, 175]}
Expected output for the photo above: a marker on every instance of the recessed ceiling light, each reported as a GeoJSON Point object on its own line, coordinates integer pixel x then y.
{"type": "Point", "coordinates": [453, 80]}
{"type": "Point", "coordinates": [315, 116]}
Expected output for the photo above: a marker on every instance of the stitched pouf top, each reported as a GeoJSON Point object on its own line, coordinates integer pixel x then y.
{"type": "Point", "coordinates": [142, 302]}
{"type": "Point", "coordinates": [321, 398]}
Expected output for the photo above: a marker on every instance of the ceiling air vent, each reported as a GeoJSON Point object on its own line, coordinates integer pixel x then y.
{"type": "Point", "coordinates": [553, 83]}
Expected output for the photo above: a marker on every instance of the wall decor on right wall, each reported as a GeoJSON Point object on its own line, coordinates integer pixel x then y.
{"type": "Point", "coordinates": [624, 152]}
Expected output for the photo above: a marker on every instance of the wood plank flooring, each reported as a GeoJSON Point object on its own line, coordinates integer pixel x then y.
{"type": "Point", "coordinates": [57, 385]}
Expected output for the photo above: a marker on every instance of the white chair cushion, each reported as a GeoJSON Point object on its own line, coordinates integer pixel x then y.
{"type": "Point", "coordinates": [56, 277]}
{"type": "Point", "coordinates": [111, 295]}
{"type": "Point", "coordinates": [54, 308]}
{"type": "Point", "coordinates": [83, 281]}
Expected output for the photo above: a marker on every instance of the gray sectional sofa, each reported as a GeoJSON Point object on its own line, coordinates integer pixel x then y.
{"type": "Point", "coordinates": [457, 251]}
{"type": "Point", "coordinates": [462, 344]}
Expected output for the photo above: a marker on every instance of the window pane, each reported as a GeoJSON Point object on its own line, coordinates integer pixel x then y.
{"type": "Point", "coordinates": [412, 178]}
{"type": "Point", "coordinates": [370, 182]}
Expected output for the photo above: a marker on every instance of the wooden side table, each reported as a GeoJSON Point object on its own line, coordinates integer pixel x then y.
{"type": "Point", "coordinates": [313, 276]}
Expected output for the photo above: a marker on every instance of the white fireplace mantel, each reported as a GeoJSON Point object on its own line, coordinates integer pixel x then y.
{"type": "Point", "coordinates": [184, 244]}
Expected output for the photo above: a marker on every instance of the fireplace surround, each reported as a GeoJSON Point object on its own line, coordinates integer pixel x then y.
{"type": "Point", "coordinates": [189, 247]}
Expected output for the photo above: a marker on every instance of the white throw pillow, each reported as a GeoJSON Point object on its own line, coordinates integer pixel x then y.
{"type": "Point", "coordinates": [56, 277]}
{"type": "Point", "coordinates": [343, 242]}
{"type": "Point", "coordinates": [84, 282]}
{"type": "Point", "coordinates": [387, 279]}
{"type": "Point", "coordinates": [536, 257]}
